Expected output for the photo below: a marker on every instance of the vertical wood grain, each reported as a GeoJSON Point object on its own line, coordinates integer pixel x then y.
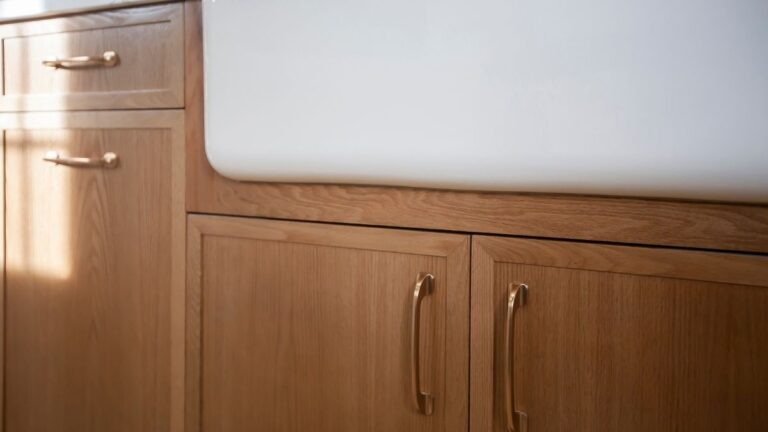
{"type": "Point", "coordinates": [198, 169]}
{"type": "Point", "coordinates": [94, 308]}
{"type": "Point", "coordinates": [482, 375]}
{"type": "Point", "coordinates": [87, 339]}
{"type": "Point", "coordinates": [306, 326]}
{"type": "Point", "coordinates": [608, 340]}
{"type": "Point", "coordinates": [178, 272]}
{"type": "Point", "coordinates": [193, 332]}
{"type": "Point", "coordinates": [458, 335]}
{"type": "Point", "coordinates": [2, 279]}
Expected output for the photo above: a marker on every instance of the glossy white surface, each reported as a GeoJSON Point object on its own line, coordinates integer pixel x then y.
{"type": "Point", "coordinates": [646, 98]}
{"type": "Point", "coordinates": [16, 9]}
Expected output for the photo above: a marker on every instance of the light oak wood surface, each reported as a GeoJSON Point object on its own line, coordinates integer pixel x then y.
{"type": "Point", "coordinates": [718, 226]}
{"type": "Point", "coordinates": [295, 326]}
{"type": "Point", "coordinates": [150, 73]}
{"type": "Point", "coordinates": [2, 274]}
{"type": "Point", "coordinates": [620, 338]}
{"type": "Point", "coordinates": [94, 293]}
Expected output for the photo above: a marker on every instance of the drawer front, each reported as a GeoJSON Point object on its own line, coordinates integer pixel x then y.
{"type": "Point", "coordinates": [66, 63]}
{"type": "Point", "coordinates": [93, 295]}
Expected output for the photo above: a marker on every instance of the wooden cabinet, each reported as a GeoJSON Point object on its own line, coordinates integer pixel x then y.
{"type": "Point", "coordinates": [616, 338]}
{"type": "Point", "coordinates": [296, 326]}
{"type": "Point", "coordinates": [94, 285]}
{"type": "Point", "coordinates": [120, 59]}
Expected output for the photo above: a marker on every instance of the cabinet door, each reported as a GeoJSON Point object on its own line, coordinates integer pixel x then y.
{"type": "Point", "coordinates": [617, 338]}
{"type": "Point", "coordinates": [296, 327]}
{"type": "Point", "coordinates": [93, 299]}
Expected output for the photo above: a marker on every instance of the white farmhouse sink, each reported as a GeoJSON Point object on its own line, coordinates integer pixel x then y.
{"type": "Point", "coordinates": [15, 9]}
{"type": "Point", "coordinates": [644, 98]}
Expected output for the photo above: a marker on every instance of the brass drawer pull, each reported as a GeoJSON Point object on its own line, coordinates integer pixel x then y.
{"type": "Point", "coordinates": [108, 59]}
{"type": "Point", "coordinates": [517, 421]}
{"type": "Point", "coordinates": [424, 286]}
{"type": "Point", "coordinates": [109, 160]}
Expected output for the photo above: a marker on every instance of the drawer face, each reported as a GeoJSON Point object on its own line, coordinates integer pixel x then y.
{"type": "Point", "coordinates": [148, 73]}
{"type": "Point", "coordinates": [92, 332]}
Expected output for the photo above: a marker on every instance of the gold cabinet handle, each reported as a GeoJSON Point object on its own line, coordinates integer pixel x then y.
{"type": "Point", "coordinates": [424, 286]}
{"type": "Point", "coordinates": [108, 59]}
{"type": "Point", "coordinates": [517, 421]}
{"type": "Point", "coordinates": [109, 160]}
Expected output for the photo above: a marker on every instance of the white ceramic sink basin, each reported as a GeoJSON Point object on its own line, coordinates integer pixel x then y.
{"type": "Point", "coordinates": [644, 98]}
{"type": "Point", "coordinates": [15, 9]}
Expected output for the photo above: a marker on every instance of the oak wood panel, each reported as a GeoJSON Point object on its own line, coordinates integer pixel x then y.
{"type": "Point", "coordinates": [306, 327]}
{"type": "Point", "coordinates": [735, 227]}
{"type": "Point", "coordinates": [150, 72]}
{"type": "Point", "coordinates": [2, 273]}
{"type": "Point", "coordinates": [94, 299]}
{"type": "Point", "coordinates": [619, 338]}
{"type": "Point", "coordinates": [193, 331]}
{"type": "Point", "coordinates": [730, 268]}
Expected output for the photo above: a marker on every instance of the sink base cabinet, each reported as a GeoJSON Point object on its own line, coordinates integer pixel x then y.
{"type": "Point", "coordinates": [94, 283]}
{"type": "Point", "coordinates": [619, 338]}
{"type": "Point", "coordinates": [296, 326]}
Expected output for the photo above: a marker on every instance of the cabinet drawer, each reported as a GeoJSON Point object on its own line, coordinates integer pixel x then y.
{"type": "Point", "coordinates": [93, 294]}
{"type": "Point", "coordinates": [64, 63]}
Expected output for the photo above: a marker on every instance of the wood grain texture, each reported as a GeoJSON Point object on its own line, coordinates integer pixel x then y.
{"type": "Point", "coordinates": [306, 327]}
{"type": "Point", "coordinates": [729, 268]}
{"type": "Point", "coordinates": [94, 300]}
{"type": "Point", "coordinates": [606, 343]}
{"type": "Point", "coordinates": [193, 331]}
{"type": "Point", "coordinates": [2, 276]}
{"type": "Point", "coordinates": [150, 73]}
{"type": "Point", "coordinates": [717, 226]}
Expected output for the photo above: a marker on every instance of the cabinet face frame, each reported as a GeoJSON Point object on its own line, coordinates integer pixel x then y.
{"type": "Point", "coordinates": [172, 120]}
{"type": "Point", "coordinates": [453, 247]}
{"type": "Point", "coordinates": [489, 251]}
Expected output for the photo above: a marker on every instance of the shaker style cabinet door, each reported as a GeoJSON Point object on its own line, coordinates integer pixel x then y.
{"type": "Point", "coordinates": [316, 327]}
{"type": "Point", "coordinates": [586, 337]}
{"type": "Point", "coordinates": [94, 285]}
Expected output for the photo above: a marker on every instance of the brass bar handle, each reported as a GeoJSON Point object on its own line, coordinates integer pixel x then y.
{"type": "Point", "coordinates": [424, 286]}
{"type": "Point", "coordinates": [108, 59]}
{"type": "Point", "coordinates": [109, 160]}
{"type": "Point", "coordinates": [517, 421]}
